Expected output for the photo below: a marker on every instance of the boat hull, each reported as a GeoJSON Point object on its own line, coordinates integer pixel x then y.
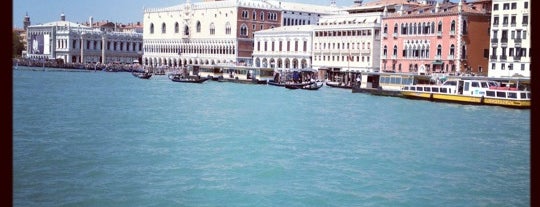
{"type": "Point", "coordinates": [458, 98]}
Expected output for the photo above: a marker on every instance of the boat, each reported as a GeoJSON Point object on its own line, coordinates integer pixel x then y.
{"type": "Point", "coordinates": [315, 85]}
{"type": "Point", "coordinates": [187, 79]}
{"type": "Point", "coordinates": [337, 85]}
{"type": "Point", "coordinates": [471, 91]}
{"type": "Point", "coordinates": [142, 75]}
{"type": "Point", "coordinates": [289, 84]}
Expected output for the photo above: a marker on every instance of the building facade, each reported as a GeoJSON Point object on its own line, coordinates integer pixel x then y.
{"type": "Point", "coordinates": [214, 32]}
{"type": "Point", "coordinates": [441, 38]}
{"type": "Point", "coordinates": [286, 47]}
{"type": "Point", "coordinates": [510, 39]}
{"type": "Point", "coordinates": [347, 42]}
{"type": "Point", "coordinates": [75, 43]}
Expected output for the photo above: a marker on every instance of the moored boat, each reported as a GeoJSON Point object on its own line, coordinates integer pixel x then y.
{"type": "Point", "coordinates": [142, 75]}
{"type": "Point", "coordinates": [481, 92]}
{"type": "Point", "coordinates": [187, 79]}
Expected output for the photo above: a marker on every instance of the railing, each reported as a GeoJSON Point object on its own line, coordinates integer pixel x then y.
{"type": "Point", "coordinates": [439, 34]}
{"type": "Point", "coordinates": [503, 57]}
{"type": "Point", "coordinates": [450, 57]}
{"type": "Point", "coordinates": [394, 57]}
{"type": "Point", "coordinates": [517, 58]}
{"type": "Point", "coordinates": [394, 35]}
{"type": "Point", "coordinates": [493, 57]}
{"type": "Point", "coordinates": [452, 33]}
{"type": "Point", "coordinates": [437, 57]}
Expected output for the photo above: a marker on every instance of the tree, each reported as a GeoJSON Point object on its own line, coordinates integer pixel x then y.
{"type": "Point", "coordinates": [18, 46]}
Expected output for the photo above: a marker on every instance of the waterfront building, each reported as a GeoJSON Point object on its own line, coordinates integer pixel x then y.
{"type": "Point", "coordinates": [286, 47]}
{"type": "Point", "coordinates": [443, 38]}
{"type": "Point", "coordinates": [214, 32]}
{"type": "Point", "coordinates": [510, 36]}
{"type": "Point", "coordinates": [351, 42]}
{"type": "Point", "coordinates": [76, 43]}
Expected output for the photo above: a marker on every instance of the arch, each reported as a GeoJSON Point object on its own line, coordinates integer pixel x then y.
{"type": "Point", "coordinates": [163, 28]}
{"type": "Point", "coordinates": [151, 28]}
{"type": "Point", "coordinates": [227, 28]}
{"type": "Point", "coordinates": [176, 27]}
{"type": "Point", "coordinates": [385, 29]}
{"type": "Point", "coordinates": [295, 63]}
{"type": "Point", "coordinates": [243, 30]}
{"type": "Point", "coordinates": [186, 30]}
{"type": "Point", "coordinates": [464, 29]}
{"type": "Point", "coordinates": [198, 27]}
{"type": "Point", "coordinates": [287, 63]}
{"type": "Point", "coordinates": [453, 26]}
{"type": "Point", "coordinates": [212, 28]}
{"type": "Point", "coordinates": [258, 62]}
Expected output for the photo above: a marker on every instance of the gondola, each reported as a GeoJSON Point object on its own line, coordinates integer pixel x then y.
{"type": "Point", "coordinates": [337, 85]}
{"type": "Point", "coordinates": [142, 75]}
{"type": "Point", "coordinates": [290, 85]}
{"type": "Point", "coordinates": [311, 86]}
{"type": "Point", "coordinates": [187, 79]}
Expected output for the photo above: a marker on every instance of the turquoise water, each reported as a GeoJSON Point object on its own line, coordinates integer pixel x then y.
{"type": "Point", "coordinates": [110, 139]}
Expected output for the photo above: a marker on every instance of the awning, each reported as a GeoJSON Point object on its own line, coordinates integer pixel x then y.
{"type": "Point", "coordinates": [437, 63]}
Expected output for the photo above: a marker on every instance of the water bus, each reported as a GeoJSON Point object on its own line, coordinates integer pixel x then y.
{"type": "Point", "coordinates": [481, 91]}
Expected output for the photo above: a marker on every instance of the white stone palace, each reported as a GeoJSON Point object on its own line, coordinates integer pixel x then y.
{"type": "Point", "coordinates": [216, 32]}
{"type": "Point", "coordinates": [76, 43]}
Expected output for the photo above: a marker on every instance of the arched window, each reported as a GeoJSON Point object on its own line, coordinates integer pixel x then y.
{"type": "Point", "coordinates": [403, 29]}
{"type": "Point", "coordinates": [176, 27]}
{"type": "Point", "coordinates": [186, 30]}
{"type": "Point", "coordinates": [439, 28]}
{"type": "Point", "coordinates": [453, 26]}
{"type": "Point", "coordinates": [254, 15]}
{"type": "Point", "coordinates": [439, 50]}
{"type": "Point", "coordinates": [452, 48]}
{"type": "Point", "coordinates": [262, 16]}
{"type": "Point", "coordinates": [395, 51]}
{"type": "Point", "coordinates": [395, 28]}
{"type": "Point", "coordinates": [432, 27]}
{"type": "Point", "coordinates": [385, 51]}
{"type": "Point", "coordinates": [151, 28]}
{"type": "Point", "coordinates": [163, 28]}
{"type": "Point", "coordinates": [212, 29]}
{"type": "Point", "coordinates": [385, 29]}
{"type": "Point", "coordinates": [243, 30]}
{"type": "Point", "coordinates": [198, 26]}
{"type": "Point", "coordinates": [227, 28]}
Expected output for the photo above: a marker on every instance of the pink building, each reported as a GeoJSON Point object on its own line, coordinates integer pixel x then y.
{"type": "Point", "coordinates": [448, 37]}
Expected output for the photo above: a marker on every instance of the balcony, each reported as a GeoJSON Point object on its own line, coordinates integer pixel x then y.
{"type": "Point", "coordinates": [452, 33]}
{"type": "Point", "coordinates": [383, 57]}
{"type": "Point", "coordinates": [384, 35]}
{"type": "Point", "coordinates": [437, 57]}
{"type": "Point", "coordinates": [439, 34]}
{"type": "Point", "coordinates": [394, 35]}
{"type": "Point", "coordinates": [503, 57]}
{"type": "Point", "coordinates": [365, 51]}
{"type": "Point", "coordinates": [517, 42]}
{"type": "Point", "coordinates": [493, 58]}
{"type": "Point", "coordinates": [394, 57]}
{"type": "Point", "coordinates": [504, 42]}
{"type": "Point", "coordinates": [450, 57]}
{"type": "Point", "coordinates": [517, 58]}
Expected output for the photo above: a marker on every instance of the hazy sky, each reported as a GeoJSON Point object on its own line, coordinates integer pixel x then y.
{"type": "Point", "coordinates": [123, 11]}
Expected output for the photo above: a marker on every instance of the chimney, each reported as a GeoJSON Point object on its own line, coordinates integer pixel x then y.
{"type": "Point", "coordinates": [62, 17]}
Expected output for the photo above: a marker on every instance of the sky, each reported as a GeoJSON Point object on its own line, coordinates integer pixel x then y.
{"type": "Point", "coordinates": [122, 11]}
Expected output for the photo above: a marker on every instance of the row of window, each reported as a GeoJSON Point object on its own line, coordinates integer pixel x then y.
{"type": "Point", "coordinates": [272, 16]}
{"type": "Point", "coordinates": [517, 52]}
{"type": "Point", "coordinates": [423, 28]}
{"type": "Point", "coordinates": [280, 46]}
{"type": "Point", "coordinates": [513, 22]}
{"type": "Point", "coordinates": [342, 58]}
{"type": "Point", "coordinates": [422, 52]}
{"type": "Point", "coordinates": [212, 28]}
{"type": "Point", "coordinates": [510, 66]}
{"type": "Point", "coordinates": [324, 46]}
{"type": "Point", "coordinates": [345, 33]}
{"type": "Point", "coordinates": [510, 6]}
{"type": "Point", "coordinates": [514, 34]}
{"type": "Point", "coordinates": [96, 45]}
{"type": "Point", "coordinates": [289, 21]}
